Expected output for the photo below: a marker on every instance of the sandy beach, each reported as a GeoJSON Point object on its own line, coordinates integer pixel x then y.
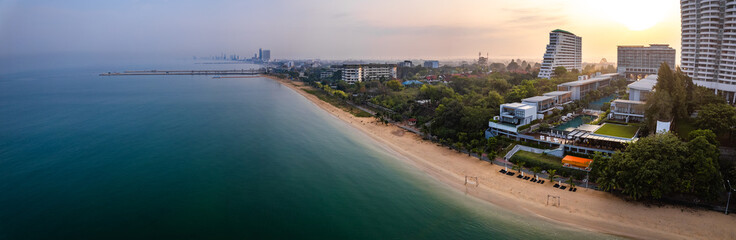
{"type": "Point", "coordinates": [586, 208]}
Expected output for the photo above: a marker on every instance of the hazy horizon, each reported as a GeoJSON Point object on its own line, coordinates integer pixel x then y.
{"type": "Point", "coordinates": [322, 29]}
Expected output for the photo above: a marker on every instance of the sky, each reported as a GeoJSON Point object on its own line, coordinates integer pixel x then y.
{"type": "Point", "coordinates": [333, 29]}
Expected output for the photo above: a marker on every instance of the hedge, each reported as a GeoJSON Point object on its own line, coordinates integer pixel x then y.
{"type": "Point", "coordinates": [532, 162]}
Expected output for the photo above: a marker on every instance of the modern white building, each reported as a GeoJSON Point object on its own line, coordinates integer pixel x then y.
{"type": "Point", "coordinates": [564, 49]}
{"type": "Point", "coordinates": [352, 73]}
{"type": "Point", "coordinates": [632, 109]}
{"type": "Point", "coordinates": [560, 97]}
{"type": "Point", "coordinates": [517, 114]}
{"type": "Point", "coordinates": [580, 88]}
{"type": "Point", "coordinates": [543, 104]}
{"type": "Point", "coordinates": [709, 44]}
{"type": "Point", "coordinates": [638, 61]}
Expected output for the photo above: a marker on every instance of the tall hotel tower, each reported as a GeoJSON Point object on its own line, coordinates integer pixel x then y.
{"type": "Point", "coordinates": [709, 44]}
{"type": "Point", "coordinates": [564, 49]}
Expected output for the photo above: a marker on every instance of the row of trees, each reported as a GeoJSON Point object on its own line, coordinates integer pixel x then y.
{"type": "Point", "coordinates": [661, 165]}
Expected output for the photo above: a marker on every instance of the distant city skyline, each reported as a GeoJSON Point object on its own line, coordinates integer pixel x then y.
{"type": "Point", "coordinates": [427, 29]}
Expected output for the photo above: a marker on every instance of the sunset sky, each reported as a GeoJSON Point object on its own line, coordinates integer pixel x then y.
{"type": "Point", "coordinates": [375, 29]}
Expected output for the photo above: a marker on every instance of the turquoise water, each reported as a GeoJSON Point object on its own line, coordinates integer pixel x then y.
{"type": "Point", "coordinates": [191, 157]}
{"type": "Point", "coordinates": [597, 104]}
{"type": "Point", "coordinates": [575, 122]}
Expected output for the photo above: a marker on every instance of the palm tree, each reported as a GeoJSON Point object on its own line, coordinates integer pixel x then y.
{"type": "Point", "coordinates": [536, 171]}
{"type": "Point", "coordinates": [521, 166]}
{"type": "Point", "coordinates": [552, 173]}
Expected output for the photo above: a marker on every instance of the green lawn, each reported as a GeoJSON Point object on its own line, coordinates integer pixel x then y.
{"type": "Point", "coordinates": [539, 157]}
{"type": "Point", "coordinates": [616, 130]}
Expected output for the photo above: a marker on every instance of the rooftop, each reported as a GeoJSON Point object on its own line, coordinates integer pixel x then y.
{"type": "Point", "coordinates": [557, 93]}
{"type": "Point", "coordinates": [516, 105]}
{"type": "Point", "coordinates": [537, 99]}
{"type": "Point", "coordinates": [646, 84]}
{"type": "Point", "coordinates": [562, 31]}
{"type": "Point", "coordinates": [602, 77]}
{"type": "Point", "coordinates": [628, 101]}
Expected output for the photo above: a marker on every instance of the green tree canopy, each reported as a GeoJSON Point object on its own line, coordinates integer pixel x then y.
{"type": "Point", "coordinates": [717, 117]}
{"type": "Point", "coordinates": [560, 71]}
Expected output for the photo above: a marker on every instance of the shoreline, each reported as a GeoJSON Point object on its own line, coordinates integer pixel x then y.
{"type": "Point", "coordinates": [586, 209]}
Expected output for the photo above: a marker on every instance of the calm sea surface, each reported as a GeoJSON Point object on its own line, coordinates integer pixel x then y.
{"type": "Point", "coordinates": [192, 157]}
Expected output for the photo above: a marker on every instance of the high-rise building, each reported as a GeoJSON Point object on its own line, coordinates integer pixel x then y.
{"type": "Point", "coordinates": [260, 54]}
{"type": "Point", "coordinates": [266, 56]}
{"type": "Point", "coordinates": [564, 50]}
{"type": "Point", "coordinates": [432, 64]}
{"type": "Point", "coordinates": [709, 44]}
{"type": "Point", "coordinates": [634, 61]}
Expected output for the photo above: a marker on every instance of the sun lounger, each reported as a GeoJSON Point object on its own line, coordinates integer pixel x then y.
{"type": "Point", "coordinates": [519, 176]}
{"type": "Point", "coordinates": [575, 190]}
{"type": "Point", "coordinates": [556, 185]}
{"type": "Point", "coordinates": [502, 171]}
{"type": "Point", "coordinates": [562, 187]}
{"type": "Point", "coordinates": [510, 173]}
{"type": "Point", "coordinates": [541, 181]}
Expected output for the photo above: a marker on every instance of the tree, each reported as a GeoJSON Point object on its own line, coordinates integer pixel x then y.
{"type": "Point", "coordinates": [560, 71]}
{"type": "Point", "coordinates": [704, 178]}
{"type": "Point", "coordinates": [395, 85]}
{"type": "Point", "coordinates": [660, 165]}
{"type": "Point", "coordinates": [512, 66]}
{"type": "Point", "coordinates": [552, 174]}
{"type": "Point", "coordinates": [536, 170]}
{"type": "Point", "coordinates": [719, 118]}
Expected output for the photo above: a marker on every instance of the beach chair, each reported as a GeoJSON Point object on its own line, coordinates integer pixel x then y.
{"type": "Point", "coordinates": [556, 185]}
{"type": "Point", "coordinates": [541, 181]}
{"type": "Point", "coordinates": [562, 187]}
{"type": "Point", "coordinates": [502, 171]}
{"type": "Point", "coordinates": [510, 173]}
{"type": "Point", "coordinates": [519, 176]}
{"type": "Point", "coordinates": [575, 190]}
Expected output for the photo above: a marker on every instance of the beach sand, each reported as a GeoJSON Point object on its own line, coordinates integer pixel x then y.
{"type": "Point", "coordinates": [585, 209]}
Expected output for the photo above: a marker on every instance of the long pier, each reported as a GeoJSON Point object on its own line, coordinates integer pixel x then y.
{"type": "Point", "coordinates": [186, 72]}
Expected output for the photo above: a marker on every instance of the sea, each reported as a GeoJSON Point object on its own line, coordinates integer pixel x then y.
{"type": "Point", "coordinates": [84, 156]}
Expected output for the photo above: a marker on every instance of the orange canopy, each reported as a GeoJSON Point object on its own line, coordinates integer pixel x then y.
{"type": "Point", "coordinates": [577, 161]}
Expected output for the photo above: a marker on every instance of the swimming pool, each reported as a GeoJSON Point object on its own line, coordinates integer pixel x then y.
{"type": "Point", "coordinates": [575, 122]}
{"type": "Point", "coordinates": [597, 104]}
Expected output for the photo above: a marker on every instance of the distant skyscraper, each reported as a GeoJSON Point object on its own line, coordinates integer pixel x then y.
{"type": "Point", "coordinates": [564, 49]}
{"type": "Point", "coordinates": [266, 55]}
{"type": "Point", "coordinates": [641, 60]}
{"type": "Point", "coordinates": [260, 54]}
{"type": "Point", "coordinates": [708, 50]}
{"type": "Point", "coordinates": [432, 64]}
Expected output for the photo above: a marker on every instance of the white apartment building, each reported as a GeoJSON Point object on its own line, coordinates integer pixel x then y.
{"type": "Point", "coordinates": [709, 44]}
{"type": "Point", "coordinates": [638, 61]}
{"type": "Point", "coordinates": [564, 49]}
{"type": "Point", "coordinates": [352, 73]}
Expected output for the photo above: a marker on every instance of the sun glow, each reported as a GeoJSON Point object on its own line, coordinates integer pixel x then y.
{"type": "Point", "coordinates": [645, 15]}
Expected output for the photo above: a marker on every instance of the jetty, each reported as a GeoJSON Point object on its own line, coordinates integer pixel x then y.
{"type": "Point", "coordinates": [186, 72]}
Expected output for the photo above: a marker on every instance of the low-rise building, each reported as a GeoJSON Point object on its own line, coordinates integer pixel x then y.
{"type": "Point", "coordinates": [352, 73]}
{"type": "Point", "coordinates": [580, 88]}
{"type": "Point", "coordinates": [544, 104]}
{"type": "Point", "coordinates": [517, 113]}
{"type": "Point", "coordinates": [560, 97]}
{"type": "Point", "coordinates": [633, 109]}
